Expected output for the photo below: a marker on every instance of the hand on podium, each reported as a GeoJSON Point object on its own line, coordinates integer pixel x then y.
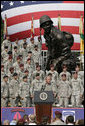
{"type": "Point", "coordinates": [54, 95]}
{"type": "Point", "coordinates": [32, 96]}
{"type": "Point", "coordinates": [22, 98]}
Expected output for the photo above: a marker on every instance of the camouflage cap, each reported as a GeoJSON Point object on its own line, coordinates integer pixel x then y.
{"type": "Point", "coordinates": [2, 66]}
{"type": "Point", "coordinates": [10, 57]}
{"type": "Point", "coordinates": [28, 59]}
{"type": "Point", "coordinates": [5, 76]}
{"type": "Point", "coordinates": [37, 74]}
{"type": "Point", "coordinates": [74, 72]}
{"type": "Point", "coordinates": [29, 52]}
{"type": "Point", "coordinates": [24, 77]}
{"type": "Point", "coordinates": [63, 74]}
{"type": "Point", "coordinates": [11, 68]}
{"type": "Point", "coordinates": [21, 65]}
{"type": "Point", "coordinates": [15, 47]}
{"type": "Point", "coordinates": [10, 52]}
{"type": "Point", "coordinates": [15, 74]}
{"type": "Point", "coordinates": [6, 47]}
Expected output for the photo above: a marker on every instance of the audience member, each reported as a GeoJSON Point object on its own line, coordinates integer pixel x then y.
{"type": "Point", "coordinates": [70, 120]}
{"type": "Point", "coordinates": [58, 119]}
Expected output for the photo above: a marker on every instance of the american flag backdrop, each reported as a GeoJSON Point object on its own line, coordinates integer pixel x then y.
{"type": "Point", "coordinates": [19, 17]}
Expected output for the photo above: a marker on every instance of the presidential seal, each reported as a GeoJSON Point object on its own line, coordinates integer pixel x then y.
{"type": "Point", "coordinates": [43, 96]}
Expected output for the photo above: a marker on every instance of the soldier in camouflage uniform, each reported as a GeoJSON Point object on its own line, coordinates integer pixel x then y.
{"type": "Point", "coordinates": [10, 73]}
{"type": "Point", "coordinates": [30, 56]}
{"type": "Point", "coordinates": [6, 42]}
{"type": "Point", "coordinates": [16, 43]}
{"type": "Point", "coordinates": [31, 45]}
{"type": "Point", "coordinates": [21, 72]}
{"type": "Point", "coordinates": [35, 86]}
{"type": "Point", "coordinates": [16, 64]}
{"type": "Point", "coordinates": [36, 54]}
{"type": "Point", "coordinates": [30, 67]}
{"type": "Point", "coordinates": [80, 73]}
{"type": "Point", "coordinates": [52, 81]}
{"type": "Point", "coordinates": [77, 90]}
{"type": "Point", "coordinates": [24, 51]}
{"type": "Point", "coordinates": [23, 41]}
{"type": "Point", "coordinates": [24, 92]}
{"type": "Point", "coordinates": [47, 85]}
{"type": "Point", "coordinates": [4, 91]}
{"type": "Point", "coordinates": [39, 43]}
{"type": "Point", "coordinates": [54, 73]}
{"type": "Point", "coordinates": [68, 75]}
{"type": "Point", "coordinates": [38, 70]}
{"type": "Point", "coordinates": [14, 89]}
{"type": "Point", "coordinates": [2, 72]}
{"type": "Point", "coordinates": [21, 58]}
{"type": "Point", "coordinates": [9, 64]}
{"type": "Point", "coordinates": [29, 78]}
{"type": "Point", "coordinates": [64, 91]}
{"type": "Point", "coordinates": [4, 54]}
{"type": "Point", "coordinates": [15, 54]}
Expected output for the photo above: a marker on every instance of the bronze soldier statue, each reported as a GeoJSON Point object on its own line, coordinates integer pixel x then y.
{"type": "Point", "coordinates": [59, 43]}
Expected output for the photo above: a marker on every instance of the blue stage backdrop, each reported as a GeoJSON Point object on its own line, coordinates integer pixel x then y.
{"type": "Point", "coordinates": [17, 113]}
{"type": "Point", "coordinates": [78, 113]}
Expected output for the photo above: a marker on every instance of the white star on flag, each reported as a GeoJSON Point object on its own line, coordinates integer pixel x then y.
{"type": "Point", "coordinates": [11, 3]}
{"type": "Point", "coordinates": [22, 2]}
{"type": "Point", "coordinates": [1, 6]}
{"type": "Point", "coordinates": [33, 1]}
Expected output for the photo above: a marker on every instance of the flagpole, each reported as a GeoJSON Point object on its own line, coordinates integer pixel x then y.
{"type": "Point", "coordinates": [80, 61]}
{"type": "Point", "coordinates": [81, 40]}
{"type": "Point", "coordinates": [32, 27]}
{"type": "Point", "coordinates": [5, 27]}
{"type": "Point", "coordinates": [40, 36]}
{"type": "Point", "coordinates": [59, 22]}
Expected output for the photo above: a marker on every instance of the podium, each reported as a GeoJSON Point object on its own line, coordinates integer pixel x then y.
{"type": "Point", "coordinates": [43, 101]}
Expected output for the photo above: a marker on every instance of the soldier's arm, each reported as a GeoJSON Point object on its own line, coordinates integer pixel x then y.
{"type": "Point", "coordinates": [32, 89]}
{"type": "Point", "coordinates": [28, 46]}
{"type": "Point", "coordinates": [33, 75]}
{"type": "Point", "coordinates": [56, 76]}
{"type": "Point", "coordinates": [40, 45]}
{"type": "Point", "coordinates": [5, 93]}
{"type": "Point", "coordinates": [69, 77]}
{"type": "Point", "coordinates": [11, 90]}
{"type": "Point", "coordinates": [54, 89]}
{"type": "Point", "coordinates": [43, 86]}
{"type": "Point", "coordinates": [6, 67]}
{"type": "Point", "coordinates": [81, 87]}
{"type": "Point", "coordinates": [60, 76]}
{"type": "Point", "coordinates": [14, 65]}
{"type": "Point", "coordinates": [69, 89]}
{"type": "Point", "coordinates": [28, 92]}
{"type": "Point", "coordinates": [47, 72]}
{"type": "Point", "coordinates": [2, 46]}
{"type": "Point", "coordinates": [43, 74]}
{"type": "Point", "coordinates": [58, 83]}
{"type": "Point", "coordinates": [2, 90]}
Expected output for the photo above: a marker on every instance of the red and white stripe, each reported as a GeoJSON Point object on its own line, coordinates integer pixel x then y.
{"type": "Point", "coordinates": [19, 19]}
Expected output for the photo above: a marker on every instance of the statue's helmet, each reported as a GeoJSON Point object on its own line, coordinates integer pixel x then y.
{"type": "Point", "coordinates": [44, 19]}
